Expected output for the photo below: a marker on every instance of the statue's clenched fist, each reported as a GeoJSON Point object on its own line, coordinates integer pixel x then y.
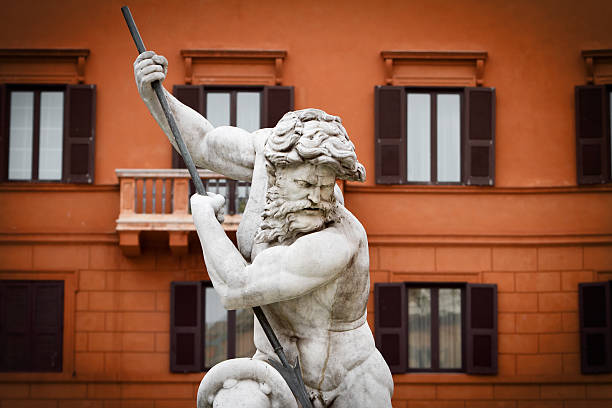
{"type": "Point", "coordinates": [149, 67]}
{"type": "Point", "coordinates": [209, 205]}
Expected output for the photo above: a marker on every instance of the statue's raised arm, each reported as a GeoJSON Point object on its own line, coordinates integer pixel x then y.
{"type": "Point", "coordinates": [227, 150]}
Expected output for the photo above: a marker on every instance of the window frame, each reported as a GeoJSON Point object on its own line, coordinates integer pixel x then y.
{"type": "Point", "coordinates": [37, 89]}
{"type": "Point", "coordinates": [476, 131]}
{"type": "Point", "coordinates": [479, 325]}
{"type": "Point", "coordinates": [433, 136]}
{"type": "Point", "coordinates": [435, 323]}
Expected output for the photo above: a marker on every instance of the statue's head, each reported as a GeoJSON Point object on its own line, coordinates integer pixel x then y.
{"type": "Point", "coordinates": [307, 151]}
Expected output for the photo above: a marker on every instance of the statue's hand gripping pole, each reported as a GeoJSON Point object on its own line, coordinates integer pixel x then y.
{"type": "Point", "coordinates": [291, 374]}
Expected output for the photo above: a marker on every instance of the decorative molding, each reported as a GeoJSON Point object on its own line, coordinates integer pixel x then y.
{"type": "Point", "coordinates": [598, 66]}
{"type": "Point", "coordinates": [466, 190]}
{"type": "Point", "coordinates": [442, 68]}
{"type": "Point", "coordinates": [59, 238]}
{"type": "Point", "coordinates": [489, 240]}
{"type": "Point", "coordinates": [268, 62]}
{"type": "Point", "coordinates": [70, 60]}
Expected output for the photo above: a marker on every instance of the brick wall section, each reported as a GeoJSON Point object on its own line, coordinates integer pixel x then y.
{"type": "Point", "coordinates": [538, 323]}
{"type": "Point", "coordinates": [121, 334]}
{"type": "Point", "coordinates": [121, 329]}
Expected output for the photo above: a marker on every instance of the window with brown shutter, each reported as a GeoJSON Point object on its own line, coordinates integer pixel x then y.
{"type": "Point", "coordinates": [31, 325]}
{"type": "Point", "coordinates": [435, 135]}
{"type": "Point", "coordinates": [202, 332]}
{"type": "Point", "coordinates": [595, 307]}
{"type": "Point", "coordinates": [593, 127]}
{"type": "Point", "coordinates": [425, 327]}
{"type": "Point", "coordinates": [47, 133]}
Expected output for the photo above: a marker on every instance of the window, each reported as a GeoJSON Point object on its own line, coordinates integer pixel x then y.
{"type": "Point", "coordinates": [437, 327]}
{"type": "Point", "coordinates": [435, 135]}
{"type": "Point", "coordinates": [595, 306]}
{"type": "Point", "coordinates": [198, 322]}
{"type": "Point", "coordinates": [47, 133]}
{"type": "Point", "coordinates": [32, 316]}
{"type": "Point", "coordinates": [593, 128]}
{"type": "Point", "coordinates": [248, 107]}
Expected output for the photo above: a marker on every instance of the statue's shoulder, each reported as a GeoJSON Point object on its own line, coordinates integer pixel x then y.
{"type": "Point", "coordinates": [349, 222]}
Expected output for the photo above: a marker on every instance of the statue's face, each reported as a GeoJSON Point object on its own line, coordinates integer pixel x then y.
{"type": "Point", "coordinates": [311, 184]}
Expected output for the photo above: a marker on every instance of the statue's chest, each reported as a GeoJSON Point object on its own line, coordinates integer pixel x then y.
{"type": "Point", "coordinates": [296, 316]}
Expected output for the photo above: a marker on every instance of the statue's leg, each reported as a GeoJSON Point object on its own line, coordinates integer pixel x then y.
{"type": "Point", "coordinates": [366, 386]}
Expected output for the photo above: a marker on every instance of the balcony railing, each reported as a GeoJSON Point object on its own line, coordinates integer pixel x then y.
{"type": "Point", "coordinates": [158, 200]}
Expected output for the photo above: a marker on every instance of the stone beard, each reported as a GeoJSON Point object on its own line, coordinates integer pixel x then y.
{"type": "Point", "coordinates": [280, 216]}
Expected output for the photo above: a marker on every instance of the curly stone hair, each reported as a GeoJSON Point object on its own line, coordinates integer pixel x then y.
{"type": "Point", "coordinates": [315, 137]}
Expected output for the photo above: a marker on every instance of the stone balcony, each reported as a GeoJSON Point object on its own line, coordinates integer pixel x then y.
{"type": "Point", "coordinates": [157, 200]}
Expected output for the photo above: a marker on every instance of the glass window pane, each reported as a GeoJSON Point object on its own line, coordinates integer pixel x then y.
{"type": "Point", "coordinates": [20, 136]}
{"type": "Point", "coordinates": [218, 108]}
{"type": "Point", "coordinates": [244, 333]}
{"type": "Point", "coordinates": [449, 309]}
{"type": "Point", "coordinates": [247, 111]}
{"type": "Point", "coordinates": [215, 331]}
{"type": "Point", "coordinates": [449, 137]}
{"type": "Point", "coordinates": [419, 137]}
{"type": "Point", "coordinates": [419, 328]}
{"type": "Point", "coordinates": [51, 135]}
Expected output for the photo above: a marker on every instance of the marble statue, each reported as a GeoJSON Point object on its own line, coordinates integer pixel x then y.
{"type": "Point", "coordinates": [302, 256]}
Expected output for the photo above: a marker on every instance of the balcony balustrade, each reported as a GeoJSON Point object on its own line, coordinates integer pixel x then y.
{"type": "Point", "coordinates": [158, 200]}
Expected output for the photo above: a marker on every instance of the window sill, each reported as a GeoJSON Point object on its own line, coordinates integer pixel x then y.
{"type": "Point", "coordinates": [19, 186]}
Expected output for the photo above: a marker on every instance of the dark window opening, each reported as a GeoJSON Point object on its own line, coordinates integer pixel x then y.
{"type": "Point", "coordinates": [31, 328]}
{"type": "Point", "coordinates": [593, 129]}
{"type": "Point", "coordinates": [595, 311]}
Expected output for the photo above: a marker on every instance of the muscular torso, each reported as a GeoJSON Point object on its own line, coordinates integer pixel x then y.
{"type": "Point", "coordinates": [326, 327]}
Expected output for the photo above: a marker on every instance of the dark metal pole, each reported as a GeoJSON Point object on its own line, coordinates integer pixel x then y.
{"type": "Point", "coordinates": [159, 90]}
{"type": "Point", "coordinates": [292, 375]}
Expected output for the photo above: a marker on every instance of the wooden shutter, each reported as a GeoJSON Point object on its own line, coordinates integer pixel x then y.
{"type": "Point", "coordinates": [192, 96]}
{"type": "Point", "coordinates": [277, 101]}
{"type": "Point", "coordinates": [592, 127]}
{"type": "Point", "coordinates": [186, 327]}
{"type": "Point", "coordinates": [479, 137]}
{"type": "Point", "coordinates": [390, 324]}
{"type": "Point", "coordinates": [390, 134]}
{"type": "Point", "coordinates": [31, 325]}
{"type": "Point", "coordinates": [79, 133]}
{"type": "Point", "coordinates": [481, 333]}
{"type": "Point", "coordinates": [595, 327]}
{"type": "Point", "coordinates": [47, 325]}
{"type": "Point", "coordinates": [15, 324]}
{"type": "Point", "coordinates": [4, 135]}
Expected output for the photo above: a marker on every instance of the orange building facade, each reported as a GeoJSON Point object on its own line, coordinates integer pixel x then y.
{"type": "Point", "coordinates": [531, 217]}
